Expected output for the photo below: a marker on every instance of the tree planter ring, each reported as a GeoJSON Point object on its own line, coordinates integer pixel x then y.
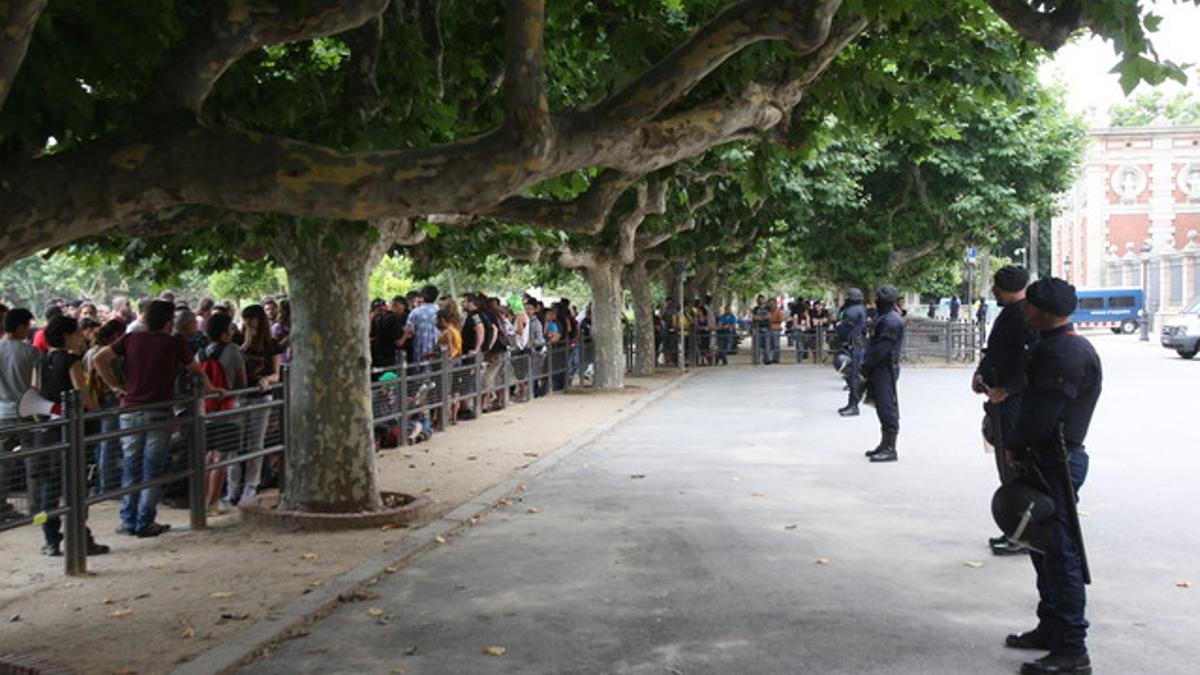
{"type": "Point", "coordinates": [407, 509]}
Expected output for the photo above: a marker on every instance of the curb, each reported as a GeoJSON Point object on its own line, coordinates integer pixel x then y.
{"type": "Point", "coordinates": [289, 621]}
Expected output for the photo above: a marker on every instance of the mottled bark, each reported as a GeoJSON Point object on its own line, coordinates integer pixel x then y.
{"type": "Point", "coordinates": [644, 357]}
{"type": "Point", "coordinates": [331, 467]}
{"type": "Point", "coordinates": [604, 280]}
{"type": "Point", "coordinates": [17, 20]}
{"type": "Point", "coordinates": [1049, 30]}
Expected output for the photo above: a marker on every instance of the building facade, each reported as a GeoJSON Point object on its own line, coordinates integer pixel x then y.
{"type": "Point", "coordinates": [1135, 205]}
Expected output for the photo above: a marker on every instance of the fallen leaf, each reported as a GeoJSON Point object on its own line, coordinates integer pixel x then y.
{"type": "Point", "coordinates": [440, 539]}
{"type": "Point", "coordinates": [495, 651]}
{"type": "Point", "coordinates": [532, 510]}
{"type": "Point", "coordinates": [188, 633]}
{"type": "Point", "coordinates": [790, 527]}
{"type": "Point", "coordinates": [221, 594]}
{"type": "Point", "coordinates": [757, 494]}
{"type": "Point", "coordinates": [385, 528]}
{"type": "Point", "coordinates": [375, 611]}
{"type": "Point", "coordinates": [472, 458]}
{"type": "Point", "coordinates": [530, 454]}
{"type": "Point", "coordinates": [156, 566]}
{"type": "Point", "coordinates": [358, 595]}
{"type": "Point", "coordinates": [391, 570]}
{"type": "Point", "coordinates": [317, 583]}
{"type": "Point", "coordinates": [735, 478]}
{"type": "Point", "coordinates": [309, 556]}
{"type": "Point", "coordinates": [398, 671]}
{"type": "Point", "coordinates": [120, 613]}
{"type": "Point", "coordinates": [636, 476]}
{"type": "Point", "coordinates": [973, 564]}
{"type": "Point", "coordinates": [822, 561]}
{"type": "Point", "coordinates": [410, 651]}
{"type": "Point", "coordinates": [1183, 584]}
{"type": "Point", "coordinates": [109, 600]}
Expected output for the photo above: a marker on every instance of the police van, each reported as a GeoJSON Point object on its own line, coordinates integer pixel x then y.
{"type": "Point", "coordinates": [1117, 308]}
{"type": "Point", "coordinates": [1182, 333]}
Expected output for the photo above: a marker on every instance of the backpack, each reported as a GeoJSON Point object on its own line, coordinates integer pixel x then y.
{"type": "Point", "coordinates": [210, 363]}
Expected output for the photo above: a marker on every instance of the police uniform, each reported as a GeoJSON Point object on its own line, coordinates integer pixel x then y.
{"type": "Point", "coordinates": [850, 331]}
{"type": "Point", "coordinates": [1064, 379]}
{"type": "Point", "coordinates": [881, 364]}
{"type": "Point", "coordinates": [1003, 366]}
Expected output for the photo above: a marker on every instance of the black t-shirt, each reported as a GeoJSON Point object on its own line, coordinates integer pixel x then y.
{"type": "Point", "coordinates": [55, 374]}
{"type": "Point", "coordinates": [387, 329]}
{"type": "Point", "coordinates": [259, 364]}
{"type": "Point", "coordinates": [468, 332]}
{"type": "Point", "coordinates": [493, 333]}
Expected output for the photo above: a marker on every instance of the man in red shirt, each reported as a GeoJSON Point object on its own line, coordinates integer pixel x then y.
{"type": "Point", "coordinates": [152, 361]}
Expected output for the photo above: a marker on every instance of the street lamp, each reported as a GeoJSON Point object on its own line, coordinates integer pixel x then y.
{"type": "Point", "coordinates": [1147, 246]}
{"type": "Point", "coordinates": [1024, 254]}
{"type": "Point", "coordinates": [1067, 268]}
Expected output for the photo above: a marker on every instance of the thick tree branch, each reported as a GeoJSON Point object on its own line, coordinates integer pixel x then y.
{"type": "Point", "coordinates": [1049, 30]}
{"type": "Point", "coordinates": [17, 20]}
{"type": "Point", "coordinates": [526, 107]}
{"type": "Point", "coordinates": [802, 23]}
{"type": "Point", "coordinates": [235, 28]}
{"type": "Point", "coordinates": [651, 199]}
{"type": "Point", "coordinates": [586, 214]}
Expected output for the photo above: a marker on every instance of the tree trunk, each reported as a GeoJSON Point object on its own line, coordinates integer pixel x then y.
{"type": "Point", "coordinates": [604, 279]}
{"type": "Point", "coordinates": [644, 357]}
{"type": "Point", "coordinates": [331, 467]}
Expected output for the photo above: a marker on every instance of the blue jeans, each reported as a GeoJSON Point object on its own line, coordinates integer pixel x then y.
{"type": "Point", "coordinates": [106, 451]}
{"type": "Point", "coordinates": [799, 346]}
{"type": "Point", "coordinates": [762, 339]}
{"type": "Point", "coordinates": [143, 458]}
{"type": "Point", "coordinates": [774, 350]}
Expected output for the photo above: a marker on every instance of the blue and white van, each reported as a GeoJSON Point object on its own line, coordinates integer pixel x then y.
{"type": "Point", "coordinates": [1117, 308]}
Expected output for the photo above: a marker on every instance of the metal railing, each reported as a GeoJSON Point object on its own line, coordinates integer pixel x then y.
{"type": "Point", "coordinates": [954, 341]}
{"type": "Point", "coordinates": [238, 442]}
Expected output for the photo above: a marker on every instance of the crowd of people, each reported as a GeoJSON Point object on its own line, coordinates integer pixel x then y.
{"type": "Point", "coordinates": [141, 364]}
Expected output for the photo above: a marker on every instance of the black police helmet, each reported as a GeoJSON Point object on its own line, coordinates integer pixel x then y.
{"type": "Point", "coordinates": [854, 295]}
{"type": "Point", "coordinates": [887, 294]}
{"type": "Point", "coordinates": [1023, 513]}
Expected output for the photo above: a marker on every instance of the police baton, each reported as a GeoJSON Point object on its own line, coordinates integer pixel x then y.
{"type": "Point", "coordinates": [1071, 497]}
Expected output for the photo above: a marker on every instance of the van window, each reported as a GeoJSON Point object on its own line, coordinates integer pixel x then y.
{"type": "Point", "coordinates": [1122, 301]}
{"type": "Point", "coordinates": [1091, 303]}
{"type": "Point", "coordinates": [1193, 308]}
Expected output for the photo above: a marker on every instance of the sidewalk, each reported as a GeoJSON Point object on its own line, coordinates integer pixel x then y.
{"type": "Point", "coordinates": [186, 592]}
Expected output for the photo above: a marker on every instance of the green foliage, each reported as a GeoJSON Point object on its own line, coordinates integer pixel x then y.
{"type": "Point", "coordinates": [1182, 107]}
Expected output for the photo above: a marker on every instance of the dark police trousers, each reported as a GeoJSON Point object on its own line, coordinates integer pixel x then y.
{"type": "Point", "coordinates": [854, 376]}
{"type": "Point", "coordinates": [1059, 570]}
{"type": "Point", "coordinates": [887, 404]}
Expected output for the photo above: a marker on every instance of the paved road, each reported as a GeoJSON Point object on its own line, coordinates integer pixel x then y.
{"type": "Point", "coordinates": [707, 564]}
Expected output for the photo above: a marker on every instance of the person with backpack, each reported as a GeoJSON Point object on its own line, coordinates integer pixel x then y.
{"type": "Point", "coordinates": [224, 366]}
{"type": "Point", "coordinates": [60, 370]}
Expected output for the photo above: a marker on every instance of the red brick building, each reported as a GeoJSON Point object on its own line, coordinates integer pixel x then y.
{"type": "Point", "coordinates": [1137, 200]}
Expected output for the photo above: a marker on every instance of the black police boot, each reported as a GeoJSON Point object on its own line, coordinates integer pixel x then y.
{"type": "Point", "coordinates": [851, 410]}
{"type": "Point", "coordinates": [887, 449]}
{"type": "Point", "coordinates": [996, 541]}
{"type": "Point", "coordinates": [1056, 663]}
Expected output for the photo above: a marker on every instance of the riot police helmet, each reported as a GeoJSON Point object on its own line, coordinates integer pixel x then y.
{"type": "Point", "coordinates": [854, 295]}
{"type": "Point", "coordinates": [1024, 512]}
{"type": "Point", "coordinates": [887, 295]}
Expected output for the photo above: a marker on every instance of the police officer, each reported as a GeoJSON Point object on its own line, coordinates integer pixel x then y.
{"type": "Point", "coordinates": [850, 331]}
{"type": "Point", "coordinates": [881, 364]}
{"type": "Point", "coordinates": [1001, 375]}
{"type": "Point", "coordinates": [1064, 378]}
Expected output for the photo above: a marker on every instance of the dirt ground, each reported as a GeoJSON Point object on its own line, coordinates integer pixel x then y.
{"type": "Point", "coordinates": [153, 603]}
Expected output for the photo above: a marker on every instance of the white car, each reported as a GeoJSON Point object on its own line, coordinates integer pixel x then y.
{"type": "Point", "coordinates": [1182, 333]}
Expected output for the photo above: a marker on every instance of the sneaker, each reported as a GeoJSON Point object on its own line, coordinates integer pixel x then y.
{"type": "Point", "coordinates": [122, 529]}
{"type": "Point", "coordinates": [51, 550]}
{"type": "Point", "coordinates": [152, 530]}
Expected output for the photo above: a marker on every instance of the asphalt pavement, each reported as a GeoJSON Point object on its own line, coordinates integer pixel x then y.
{"type": "Point", "coordinates": [734, 526]}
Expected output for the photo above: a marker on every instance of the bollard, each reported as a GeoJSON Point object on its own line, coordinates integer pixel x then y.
{"type": "Point", "coordinates": [197, 483]}
{"type": "Point", "coordinates": [505, 367]}
{"type": "Point", "coordinates": [402, 388]}
{"type": "Point", "coordinates": [75, 488]}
